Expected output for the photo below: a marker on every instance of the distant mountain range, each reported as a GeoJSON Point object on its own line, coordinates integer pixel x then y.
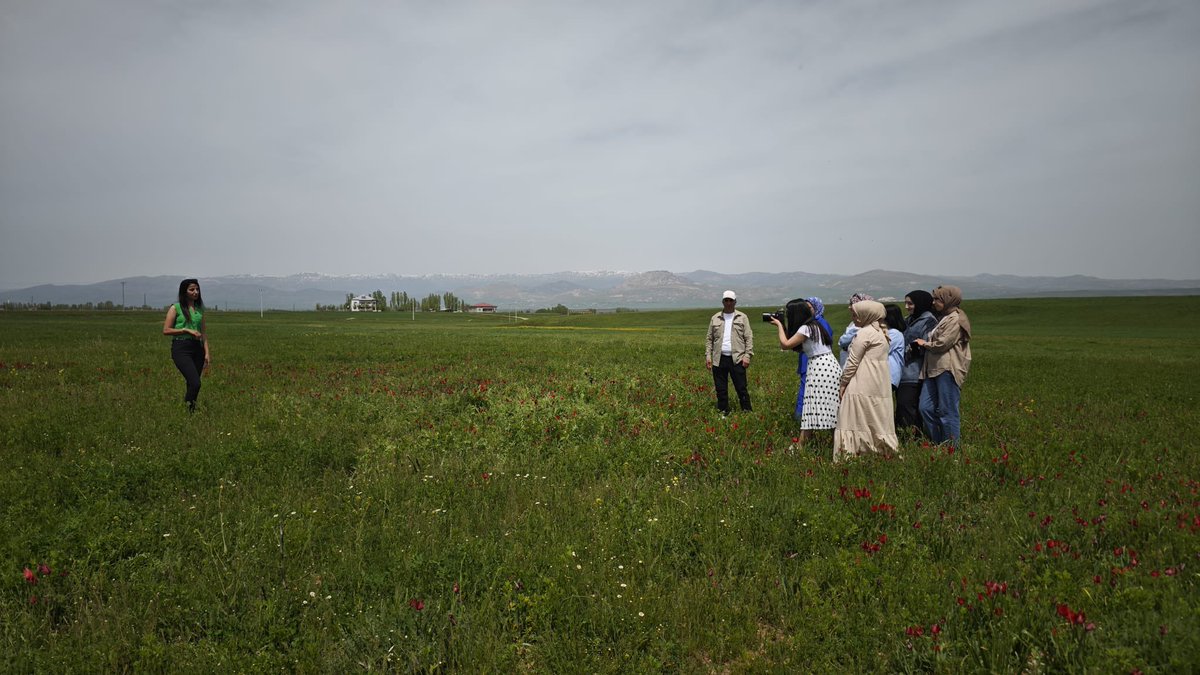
{"type": "Point", "coordinates": [582, 290]}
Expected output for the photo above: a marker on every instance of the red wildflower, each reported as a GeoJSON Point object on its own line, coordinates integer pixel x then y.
{"type": "Point", "coordinates": [1073, 617]}
{"type": "Point", "coordinates": [44, 569]}
{"type": "Point", "coordinates": [30, 576]}
{"type": "Point", "coordinates": [417, 604]}
{"type": "Point", "coordinates": [996, 588]}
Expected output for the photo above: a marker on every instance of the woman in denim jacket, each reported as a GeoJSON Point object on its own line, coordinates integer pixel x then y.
{"type": "Point", "coordinates": [908, 395]}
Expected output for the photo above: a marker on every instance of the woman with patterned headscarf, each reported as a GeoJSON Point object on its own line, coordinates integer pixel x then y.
{"type": "Point", "coordinates": [865, 422]}
{"type": "Point", "coordinates": [851, 329]}
{"type": "Point", "coordinates": [947, 360]}
{"type": "Point", "coordinates": [818, 311]}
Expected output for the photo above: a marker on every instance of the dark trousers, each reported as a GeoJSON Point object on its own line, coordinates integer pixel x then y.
{"type": "Point", "coordinates": [908, 413]}
{"type": "Point", "coordinates": [721, 373]}
{"type": "Point", "coordinates": [188, 356]}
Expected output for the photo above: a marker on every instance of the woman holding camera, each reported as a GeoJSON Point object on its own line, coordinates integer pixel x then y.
{"type": "Point", "coordinates": [947, 360]}
{"type": "Point", "coordinates": [818, 310]}
{"type": "Point", "coordinates": [865, 421]}
{"type": "Point", "coordinates": [908, 395]}
{"type": "Point", "coordinates": [805, 334]}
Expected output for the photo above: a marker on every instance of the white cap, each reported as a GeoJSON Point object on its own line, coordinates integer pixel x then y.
{"type": "Point", "coordinates": [729, 295]}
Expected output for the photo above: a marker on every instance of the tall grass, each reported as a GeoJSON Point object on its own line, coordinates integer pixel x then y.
{"type": "Point", "coordinates": [462, 492]}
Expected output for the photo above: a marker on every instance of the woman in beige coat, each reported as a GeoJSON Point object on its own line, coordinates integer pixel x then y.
{"type": "Point", "coordinates": [947, 361]}
{"type": "Point", "coordinates": [865, 415]}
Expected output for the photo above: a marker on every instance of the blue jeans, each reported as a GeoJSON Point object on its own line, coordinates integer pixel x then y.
{"type": "Point", "coordinates": [939, 408]}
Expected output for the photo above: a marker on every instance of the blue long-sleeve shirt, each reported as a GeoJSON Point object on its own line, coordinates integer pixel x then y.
{"type": "Point", "coordinates": [895, 355]}
{"type": "Point", "coordinates": [844, 343]}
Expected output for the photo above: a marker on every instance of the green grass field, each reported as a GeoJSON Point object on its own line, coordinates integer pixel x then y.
{"type": "Point", "coordinates": [556, 494]}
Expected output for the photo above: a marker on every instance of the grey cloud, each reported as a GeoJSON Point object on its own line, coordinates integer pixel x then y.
{"type": "Point", "coordinates": [544, 136]}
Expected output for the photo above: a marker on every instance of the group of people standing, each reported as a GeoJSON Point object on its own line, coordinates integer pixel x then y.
{"type": "Point", "coordinates": [921, 360]}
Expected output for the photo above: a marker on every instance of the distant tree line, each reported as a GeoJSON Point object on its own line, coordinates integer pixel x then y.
{"type": "Point", "coordinates": [401, 301]}
{"type": "Point", "coordinates": [107, 305]}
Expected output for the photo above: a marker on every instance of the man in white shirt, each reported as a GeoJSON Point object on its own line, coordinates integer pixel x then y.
{"type": "Point", "coordinates": [728, 349]}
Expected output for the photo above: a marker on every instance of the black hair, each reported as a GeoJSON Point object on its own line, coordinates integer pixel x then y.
{"type": "Point", "coordinates": [799, 313]}
{"type": "Point", "coordinates": [894, 317]}
{"type": "Point", "coordinates": [183, 298]}
{"type": "Point", "coordinates": [922, 302]}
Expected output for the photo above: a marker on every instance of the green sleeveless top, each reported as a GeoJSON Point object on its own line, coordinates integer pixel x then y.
{"type": "Point", "coordinates": [182, 322]}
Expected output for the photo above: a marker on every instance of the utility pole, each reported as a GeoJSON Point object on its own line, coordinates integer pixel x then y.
{"type": "Point", "coordinates": [260, 305]}
{"type": "Point", "coordinates": [122, 296]}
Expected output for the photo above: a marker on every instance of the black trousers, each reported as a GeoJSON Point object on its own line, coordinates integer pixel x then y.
{"type": "Point", "coordinates": [188, 356]}
{"type": "Point", "coordinates": [721, 373]}
{"type": "Point", "coordinates": [908, 416]}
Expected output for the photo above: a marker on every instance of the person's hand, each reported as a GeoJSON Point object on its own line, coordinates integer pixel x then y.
{"type": "Point", "coordinates": [919, 342]}
{"type": "Point", "coordinates": [745, 363]}
{"type": "Point", "coordinates": [776, 322]}
{"type": "Point", "coordinates": [193, 333]}
{"type": "Point", "coordinates": [708, 363]}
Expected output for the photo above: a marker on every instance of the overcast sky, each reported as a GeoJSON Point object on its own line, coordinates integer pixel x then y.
{"type": "Point", "coordinates": [196, 138]}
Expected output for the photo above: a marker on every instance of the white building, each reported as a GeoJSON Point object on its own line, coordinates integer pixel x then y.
{"type": "Point", "coordinates": [362, 303]}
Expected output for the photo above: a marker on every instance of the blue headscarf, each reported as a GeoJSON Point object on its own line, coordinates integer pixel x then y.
{"type": "Point", "coordinates": [817, 305]}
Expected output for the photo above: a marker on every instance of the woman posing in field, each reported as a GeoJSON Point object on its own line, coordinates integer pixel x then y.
{"type": "Point", "coordinates": [908, 395]}
{"type": "Point", "coordinates": [805, 333]}
{"type": "Point", "coordinates": [189, 346]}
{"type": "Point", "coordinates": [865, 421]}
{"type": "Point", "coordinates": [818, 311]}
{"type": "Point", "coordinates": [947, 360]}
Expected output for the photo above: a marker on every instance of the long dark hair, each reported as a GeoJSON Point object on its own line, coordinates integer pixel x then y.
{"type": "Point", "coordinates": [183, 298]}
{"type": "Point", "coordinates": [799, 313]}
{"type": "Point", "coordinates": [894, 317]}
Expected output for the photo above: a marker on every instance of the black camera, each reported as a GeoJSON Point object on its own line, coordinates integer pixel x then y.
{"type": "Point", "coordinates": [778, 314]}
